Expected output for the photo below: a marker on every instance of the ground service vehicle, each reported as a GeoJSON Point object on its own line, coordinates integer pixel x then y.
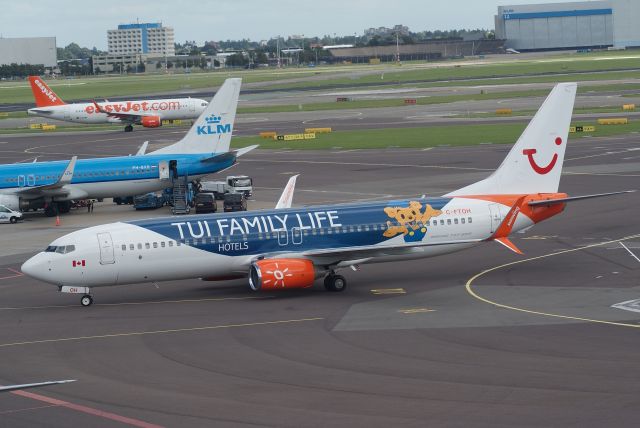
{"type": "Point", "coordinates": [205, 202]}
{"type": "Point", "coordinates": [233, 184]}
{"type": "Point", "coordinates": [234, 202]}
{"type": "Point", "coordinates": [9, 215]}
{"type": "Point", "coordinates": [151, 200]}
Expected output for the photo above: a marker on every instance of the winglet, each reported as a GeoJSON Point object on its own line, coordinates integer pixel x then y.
{"type": "Point", "coordinates": [245, 150]}
{"type": "Point", "coordinates": [287, 194]}
{"type": "Point", "coordinates": [143, 149]}
{"type": "Point", "coordinates": [98, 108]}
{"type": "Point", "coordinates": [33, 385]}
{"type": "Point", "coordinates": [67, 175]}
{"type": "Point", "coordinates": [502, 233]}
{"type": "Point", "coordinates": [510, 245]}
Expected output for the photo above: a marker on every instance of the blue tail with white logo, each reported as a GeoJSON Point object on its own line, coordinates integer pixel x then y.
{"type": "Point", "coordinates": [211, 132]}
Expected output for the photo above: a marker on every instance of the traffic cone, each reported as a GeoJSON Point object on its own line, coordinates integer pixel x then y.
{"type": "Point", "coordinates": [57, 220]}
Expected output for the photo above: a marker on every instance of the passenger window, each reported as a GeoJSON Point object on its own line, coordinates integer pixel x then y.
{"type": "Point", "coordinates": [462, 220]}
{"type": "Point", "coordinates": [124, 247]}
{"type": "Point", "coordinates": [155, 245]}
{"type": "Point", "coordinates": [147, 246]}
{"type": "Point", "coordinates": [329, 231]}
{"type": "Point", "coordinates": [469, 219]}
{"type": "Point", "coordinates": [449, 221]}
{"type": "Point", "coordinates": [441, 222]}
{"type": "Point", "coordinates": [455, 220]}
{"type": "Point", "coordinates": [139, 246]}
{"type": "Point", "coordinates": [131, 247]}
{"type": "Point", "coordinates": [171, 243]}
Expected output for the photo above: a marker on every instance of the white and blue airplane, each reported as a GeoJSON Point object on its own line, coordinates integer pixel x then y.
{"type": "Point", "coordinates": [290, 248]}
{"type": "Point", "coordinates": [203, 150]}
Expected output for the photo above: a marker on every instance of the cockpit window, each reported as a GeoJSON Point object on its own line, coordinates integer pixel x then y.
{"type": "Point", "coordinates": [60, 249]}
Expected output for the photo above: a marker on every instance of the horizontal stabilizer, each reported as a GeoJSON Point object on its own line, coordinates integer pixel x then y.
{"type": "Point", "coordinates": [576, 198]}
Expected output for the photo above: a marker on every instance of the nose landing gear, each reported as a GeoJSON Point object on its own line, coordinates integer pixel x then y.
{"type": "Point", "coordinates": [86, 300]}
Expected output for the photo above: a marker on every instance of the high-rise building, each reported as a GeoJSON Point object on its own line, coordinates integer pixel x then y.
{"type": "Point", "coordinates": [146, 38]}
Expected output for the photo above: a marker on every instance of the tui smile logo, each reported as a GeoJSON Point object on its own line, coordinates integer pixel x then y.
{"type": "Point", "coordinates": [213, 126]}
{"type": "Point", "coordinates": [542, 170]}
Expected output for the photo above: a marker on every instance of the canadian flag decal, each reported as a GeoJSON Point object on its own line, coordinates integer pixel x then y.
{"type": "Point", "coordinates": [78, 263]}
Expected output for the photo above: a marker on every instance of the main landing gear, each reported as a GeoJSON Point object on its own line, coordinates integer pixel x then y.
{"type": "Point", "coordinates": [86, 300]}
{"type": "Point", "coordinates": [128, 128]}
{"type": "Point", "coordinates": [334, 282]}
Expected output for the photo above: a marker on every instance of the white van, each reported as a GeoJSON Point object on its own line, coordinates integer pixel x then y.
{"type": "Point", "coordinates": [10, 216]}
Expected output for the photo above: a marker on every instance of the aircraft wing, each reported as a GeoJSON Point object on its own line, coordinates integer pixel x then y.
{"type": "Point", "coordinates": [64, 179]}
{"type": "Point", "coordinates": [33, 385]}
{"type": "Point", "coordinates": [143, 149]}
{"type": "Point", "coordinates": [130, 117]}
{"type": "Point", "coordinates": [349, 256]}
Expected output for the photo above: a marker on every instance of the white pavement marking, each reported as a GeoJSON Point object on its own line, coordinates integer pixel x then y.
{"type": "Point", "coordinates": [630, 252]}
{"type": "Point", "coordinates": [629, 305]}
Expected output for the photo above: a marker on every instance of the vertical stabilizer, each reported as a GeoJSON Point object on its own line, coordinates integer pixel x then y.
{"type": "Point", "coordinates": [211, 132]}
{"type": "Point", "coordinates": [534, 164]}
{"type": "Point", "coordinates": [44, 95]}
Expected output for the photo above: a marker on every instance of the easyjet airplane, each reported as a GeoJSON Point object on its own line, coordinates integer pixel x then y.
{"type": "Point", "coordinates": [148, 113]}
{"type": "Point", "coordinates": [293, 247]}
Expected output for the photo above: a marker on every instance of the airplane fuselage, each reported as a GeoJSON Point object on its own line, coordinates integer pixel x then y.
{"type": "Point", "coordinates": [165, 109]}
{"type": "Point", "coordinates": [222, 246]}
{"type": "Point", "coordinates": [106, 177]}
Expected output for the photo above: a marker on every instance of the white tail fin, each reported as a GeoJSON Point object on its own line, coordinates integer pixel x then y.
{"type": "Point", "coordinates": [211, 132]}
{"type": "Point", "coordinates": [534, 164]}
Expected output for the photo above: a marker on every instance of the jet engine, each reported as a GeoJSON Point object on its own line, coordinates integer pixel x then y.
{"type": "Point", "coordinates": [151, 121]}
{"type": "Point", "coordinates": [279, 274]}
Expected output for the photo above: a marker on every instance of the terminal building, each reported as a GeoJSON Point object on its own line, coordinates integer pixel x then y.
{"type": "Point", "coordinates": [28, 50]}
{"type": "Point", "coordinates": [147, 38]}
{"type": "Point", "coordinates": [570, 25]}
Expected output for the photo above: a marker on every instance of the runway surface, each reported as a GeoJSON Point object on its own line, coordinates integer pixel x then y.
{"type": "Point", "coordinates": [537, 341]}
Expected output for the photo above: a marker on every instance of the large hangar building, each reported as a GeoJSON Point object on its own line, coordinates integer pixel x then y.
{"type": "Point", "coordinates": [570, 25]}
{"type": "Point", "coordinates": [28, 50]}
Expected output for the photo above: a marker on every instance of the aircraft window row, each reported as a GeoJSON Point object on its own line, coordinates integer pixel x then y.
{"type": "Point", "coordinates": [112, 173]}
{"type": "Point", "coordinates": [60, 249]}
{"type": "Point", "coordinates": [32, 177]}
{"type": "Point", "coordinates": [148, 245]}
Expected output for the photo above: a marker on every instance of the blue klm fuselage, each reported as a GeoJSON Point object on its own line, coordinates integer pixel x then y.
{"type": "Point", "coordinates": [114, 170]}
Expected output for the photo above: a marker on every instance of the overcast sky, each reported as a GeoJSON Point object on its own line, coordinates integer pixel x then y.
{"type": "Point", "coordinates": [87, 22]}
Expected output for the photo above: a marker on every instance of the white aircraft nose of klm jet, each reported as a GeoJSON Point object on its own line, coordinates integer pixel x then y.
{"type": "Point", "coordinates": [38, 267]}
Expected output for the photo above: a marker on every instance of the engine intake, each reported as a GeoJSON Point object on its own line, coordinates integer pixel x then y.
{"type": "Point", "coordinates": [280, 274]}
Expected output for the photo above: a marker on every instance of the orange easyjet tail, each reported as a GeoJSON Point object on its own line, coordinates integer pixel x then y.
{"type": "Point", "coordinates": [43, 94]}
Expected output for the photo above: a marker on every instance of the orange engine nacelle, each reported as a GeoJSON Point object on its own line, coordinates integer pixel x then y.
{"type": "Point", "coordinates": [151, 121]}
{"type": "Point", "coordinates": [275, 274]}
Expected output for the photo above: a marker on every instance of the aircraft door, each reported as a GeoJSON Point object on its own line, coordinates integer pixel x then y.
{"type": "Point", "coordinates": [106, 249]}
{"type": "Point", "coordinates": [496, 216]}
{"type": "Point", "coordinates": [283, 238]}
{"type": "Point", "coordinates": [163, 170]}
{"type": "Point", "coordinates": [296, 236]}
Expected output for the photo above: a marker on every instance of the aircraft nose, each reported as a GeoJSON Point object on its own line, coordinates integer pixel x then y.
{"type": "Point", "coordinates": [37, 267]}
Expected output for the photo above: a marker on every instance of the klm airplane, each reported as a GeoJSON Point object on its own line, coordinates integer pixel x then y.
{"type": "Point", "coordinates": [203, 150]}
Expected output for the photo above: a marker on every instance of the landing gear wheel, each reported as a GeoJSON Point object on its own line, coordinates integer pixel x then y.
{"type": "Point", "coordinates": [86, 300]}
{"type": "Point", "coordinates": [128, 128]}
{"type": "Point", "coordinates": [51, 210]}
{"type": "Point", "coordinates": [335, 283]}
